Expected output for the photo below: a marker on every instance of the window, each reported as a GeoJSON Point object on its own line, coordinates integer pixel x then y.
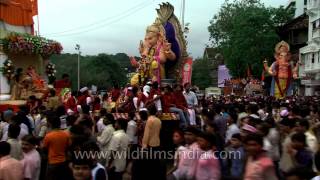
{"type": "Point", "coordinates": [314, 25]}
{"type": "Point", "coordinates": [305, 2]}
{"type": "Point", "coordinates": [312, 59]}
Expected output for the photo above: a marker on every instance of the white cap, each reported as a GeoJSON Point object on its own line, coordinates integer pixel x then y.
{"type": "Point", "coordinates": [84, 89]}
{"type": "Point", "coordinates": [129, 88]}
{"type": "Point", "coordinates": [146, 89]}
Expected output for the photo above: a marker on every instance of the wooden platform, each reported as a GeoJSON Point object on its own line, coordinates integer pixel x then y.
{"type": "Point", "coordinates": [13, 104]}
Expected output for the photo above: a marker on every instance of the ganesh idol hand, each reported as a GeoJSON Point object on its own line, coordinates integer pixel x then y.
{"type": "Point", "coordinates": [167, 46]}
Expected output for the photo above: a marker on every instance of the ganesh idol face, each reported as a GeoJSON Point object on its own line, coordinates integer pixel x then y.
{"type": "Point", "coordinates": [151, 39]}
{"type": "Point", "coordinates": [283, 55]}
{"type": "Point", "coordinates": [283, 49]}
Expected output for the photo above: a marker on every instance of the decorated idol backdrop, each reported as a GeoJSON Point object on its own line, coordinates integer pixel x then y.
{"type": "Point", "coordinates": [23, 55]}
{"type": "Point", "coordinates": [163, 51]}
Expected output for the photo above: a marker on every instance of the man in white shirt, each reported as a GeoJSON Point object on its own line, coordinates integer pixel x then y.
{"type": "Point", "coordinates": [132, 129]}
{"type": "Point", "coordinates": [100, 124]}
{"type": "Point", "coordinates": [14, 120]}
{"type": "Point", "coordinates": [31, 158]}
{"type": "Point", "coordinates": [118, 148]}
{"type": "Point", "coordinates": [104, 138]}
{"type": "Point", "coordinates": [192, 102]}
{"type": "Point", "coordinates": [232, 127]}
{"type": "Point", "coordinates": [15, 151]}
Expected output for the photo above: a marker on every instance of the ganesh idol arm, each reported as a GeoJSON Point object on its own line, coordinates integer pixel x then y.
{"type": "Point", "coordinates": [165, 55]}
{"type": "Point", "coordinates": [265, 65]}
{"type": "Point", "coordinates": [268, 69]}
{"type": "Point", "coordinates": [168, 51]}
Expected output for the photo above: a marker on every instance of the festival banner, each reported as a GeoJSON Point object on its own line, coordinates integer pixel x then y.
{"type": "Point", "coordinates": [223, 75]}
{"type": "Point", "coordinates": [187, 71]}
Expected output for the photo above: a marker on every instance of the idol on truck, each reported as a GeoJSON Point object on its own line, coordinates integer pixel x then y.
{"type": "Point", "coordinates": [282, 72]}
{"type": "Point", "coordinates": [163, 50]}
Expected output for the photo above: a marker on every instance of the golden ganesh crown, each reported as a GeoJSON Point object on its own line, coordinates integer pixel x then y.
{"type": "Point", "coordinates": [156, 27]}
{"type": "Point", "coordinates": [281, 44]}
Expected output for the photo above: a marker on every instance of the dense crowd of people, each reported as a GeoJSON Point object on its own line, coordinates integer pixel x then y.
{"type": "Point", "coordinates": [89, 136]}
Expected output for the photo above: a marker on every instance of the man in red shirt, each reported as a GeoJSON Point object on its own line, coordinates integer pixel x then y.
{"type": "Point", "coordinates": [155, 95]}
{"type": "Point", "coordinates": [180, 105]}
{"type": "Point", "coordinates": [82, 99]}
{"type": "Point", "coordinates": [167, 99]}
{"type": "Point", "coordinates": [62, 83]}
{"type": "Point", "coordinates": [115, 93]}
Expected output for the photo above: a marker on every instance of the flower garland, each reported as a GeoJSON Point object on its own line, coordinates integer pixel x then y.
{"type": "Point", "coordinates": [18, 43]}
{"type": "Point", "coordinates": [7, 69]}
{"type": "Point", "coordinates": [50, 70]}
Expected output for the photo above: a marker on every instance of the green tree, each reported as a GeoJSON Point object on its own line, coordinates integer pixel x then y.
{"type": "Point", "coordinates": [201, 73]}
{"type": "Point", "coordinates": [245, 31]}
{"type": "Point", "coordinates": [102, 70]}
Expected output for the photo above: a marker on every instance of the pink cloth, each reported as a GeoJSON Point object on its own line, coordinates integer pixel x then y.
{"type": "Point", "coordinates": [261, 168]}
{"type": "Point", "coordinates": [249, 128]}
{"type": "Point", "coordinates": [10, 169]}
{"type": "Point", "coordinates": [208, 167]}
{"type": "Point", "coordinates": [31, 164]}
{"type": "Point", "coordinates": [188, 162]}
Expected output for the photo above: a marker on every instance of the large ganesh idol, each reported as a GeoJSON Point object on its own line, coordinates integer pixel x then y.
{"type": "Point", "coordinates": [282, 71]}
{"type": "Point", "coordinates": [162, 49]}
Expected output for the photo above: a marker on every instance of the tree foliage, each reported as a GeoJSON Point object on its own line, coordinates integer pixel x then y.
{"type": "Point", "coordinates": [102, 70]}
{"type": "Point", "coordinates": [245, 31]}
{"type": "Point", "coordinates": [201, 73]}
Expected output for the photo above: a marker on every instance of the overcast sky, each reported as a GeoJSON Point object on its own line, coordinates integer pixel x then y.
{"type": "Point", "coordinates": [112, 26]}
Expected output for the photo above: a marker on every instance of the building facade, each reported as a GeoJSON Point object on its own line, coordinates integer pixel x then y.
{"type": "Point", "coordinates": [309, 69]}
{"type": "Point", "coordinates": [299, 5]}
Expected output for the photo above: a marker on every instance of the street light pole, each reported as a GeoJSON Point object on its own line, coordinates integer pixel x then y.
{"type": "Point", "coordinates": [79, 52]}
{"type": "Point", "coordinates": [183, 11]}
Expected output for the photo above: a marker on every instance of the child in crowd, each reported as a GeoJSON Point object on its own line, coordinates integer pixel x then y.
{"type": "Point", "coordinates": [98, 171]}
{"type": "Point", "coordinates": [186, 167]}
{"type": "Point", "coordinates": [208, 166]}
{"type": "Point", "coordinates": [178, 140]}
{"type": "Point", "coordinates": [13, 132]}
{"type": "Point", "coordinates": [81, 168]}
{"type": "Point", "coordinates": [259, 166]}
{"type": "Point", "coordinates": [299, 152]}
{"type": "Point", "coordinates": [236, 157]}
{"type": "Point", "coordinates": [31, 158]}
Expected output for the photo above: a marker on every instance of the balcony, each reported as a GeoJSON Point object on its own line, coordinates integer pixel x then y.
{"type": "Point", "coordinates": [313, 4]}
{"type": "Point", "coordinates": [312, 68]}
{"type": "Point", "coordinates": [316, 34]}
